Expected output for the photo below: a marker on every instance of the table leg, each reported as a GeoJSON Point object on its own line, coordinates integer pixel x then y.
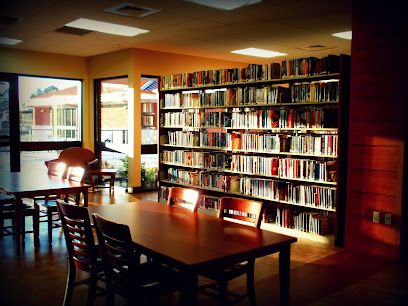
{"type": "Point", "coordinates": [188, 294]}
{"type": "Point", "coordinates": [17, 222]}
{"type": "Point", "coordinates": [112, 181]}
{"type": "Point", "coordinates": [284, 275]}
{"type": "Point", "coordinates": [85, 192]}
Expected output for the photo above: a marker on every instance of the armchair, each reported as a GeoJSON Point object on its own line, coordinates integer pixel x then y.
{"type": "Point", "coordinates": [74, 157]}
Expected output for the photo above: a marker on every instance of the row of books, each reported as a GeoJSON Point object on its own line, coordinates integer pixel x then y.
{"type": "Point", "coordinates": [309, 66]}
{"type": "Point", "coordinates": [312, 196]}
{"type": "Point", "coordinates": [147, 121]}
{"type": "Point", "coordinates": [252, 118]}
{"type": "Point", "coordinates": [287, 168]}
{"type": "Point", "coordinates": [307, 169]}
{"type": "Point", "coordinates": [283, 191]}
{"type": "Point", "coordinates": [315, 92]}
{"type": "Point", "coordinates": [313, 144]}
{"type": "Point", "coordinates": [264, 188]}
{"type": "Point", "coordinates": [257, 142]}
{"type": "Point", "coordinates": [149, 107]}
{"type": "Point", "coordinates": [300, 67]}
{"type": "Point", "coordinates": [310, 222]}
{"type": "Point", "coordinates": [222, 76]}
{"type": "Point", "coordinates": [197, 159]}
{"type": "Point", "coordinates": [212, 180]}
{"type": "Point", "coordinates": [229, 97]}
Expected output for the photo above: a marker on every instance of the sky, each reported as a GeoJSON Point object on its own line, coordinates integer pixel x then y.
{"type": "Point", "coordinates": [29, 85]}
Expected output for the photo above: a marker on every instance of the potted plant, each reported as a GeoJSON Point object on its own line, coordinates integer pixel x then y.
{"type": "Point", "coordinates": [149, 177]}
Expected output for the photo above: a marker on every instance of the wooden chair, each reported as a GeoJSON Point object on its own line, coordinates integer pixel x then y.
{"type": "Point", "coordinates": [183, 197]}
{"type": "Point", "coordinates": [77, 157]}
{"type": "Point", "coordinates": [249, 212]}
{"type": "Point", "coordinates": [124, 273]}
{"type": "Point", "coordinates": [48, 205]}
{"type": "Point", "coordinates": [7, 211]}
{"type": "Point", "coordinates": [82, 251]}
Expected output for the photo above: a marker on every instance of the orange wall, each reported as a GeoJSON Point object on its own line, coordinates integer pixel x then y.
{"type": "Point", "coordinates": [134, 63]}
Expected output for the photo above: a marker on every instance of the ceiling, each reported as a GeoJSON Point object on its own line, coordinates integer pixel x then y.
{"type": "Point", "coordinates": [286, 26]}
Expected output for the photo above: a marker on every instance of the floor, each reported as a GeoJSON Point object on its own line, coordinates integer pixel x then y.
{"type": "Point", "coordinates": [321, 274]}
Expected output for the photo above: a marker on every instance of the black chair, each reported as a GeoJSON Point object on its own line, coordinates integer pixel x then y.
{"type": "Point", "coordinates": [249, 212]}
{"type": "Point", "coordinates": [124, 273]}
{"type": "Point", "coordinates": [7, 211]}
{"type": "Point", "coordinates": [48, 205]}
{"type": "Point", "coordinates": [82, 251]}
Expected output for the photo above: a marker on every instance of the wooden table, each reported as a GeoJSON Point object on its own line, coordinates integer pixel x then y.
{"type": "Point", "coordinates": [100, 173]}
{"type": "Point", "coordinates": [193, 242]}
{"type": "Point", "coordinates": [29, 184]}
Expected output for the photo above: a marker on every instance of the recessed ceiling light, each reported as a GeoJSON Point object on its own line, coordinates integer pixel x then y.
{"type": "Point", "coordinates": [105, 27]}
{"type": "Point", "coordinates": [258, 52]}
{"type": "Point", "coordinates": [225, 5]}
{"type": "Point", "coordinates": [9, 41]}
{"type": "Point", "coordinates": [344, 35]}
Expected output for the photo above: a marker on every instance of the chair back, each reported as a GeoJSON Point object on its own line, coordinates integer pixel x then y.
{"type": "Point", "coordinates": [75, 174]}
{"type": "Point", "coordinates": [79, 238]}
{"type": "Point", "coordinates": [118, 255]}
{"type": "Point", "coordinates": [56, 169]}
{"type": "Point", "coordinates": [245, 210]}
{"type": "Point", "coordinates": [183, 197]}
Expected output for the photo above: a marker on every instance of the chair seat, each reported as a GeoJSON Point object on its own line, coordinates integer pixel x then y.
{"type": "Point", "coordinates": [227, 274]}
{"type": "Point", "coordinates": [10, 207]}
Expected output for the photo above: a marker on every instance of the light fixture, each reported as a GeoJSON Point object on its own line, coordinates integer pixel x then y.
{"type": "Point", "coordinates": [9, 41]}
{"type": "Point", "coordinates": [344, 35]}
{"type": "Point", "coordinates": [258, 52]}
{"type": "Point", "coordinates": [105, 27]}
{"type": "Point", "coordinates": [225, 5]}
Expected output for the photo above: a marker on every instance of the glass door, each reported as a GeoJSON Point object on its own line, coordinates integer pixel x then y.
{"type": "Point", "coordinates": [112, 126]}
{"type": "Point", "coordinates": [149, 133]}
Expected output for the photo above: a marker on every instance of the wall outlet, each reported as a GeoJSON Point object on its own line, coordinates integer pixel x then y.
{"type": "Point", "coordinates": [376, 217]}
{"type": "Point", "coordinates": [387, 220]}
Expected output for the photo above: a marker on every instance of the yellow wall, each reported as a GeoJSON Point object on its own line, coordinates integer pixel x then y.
{"type": "Point", "coordinates": [131, 62]}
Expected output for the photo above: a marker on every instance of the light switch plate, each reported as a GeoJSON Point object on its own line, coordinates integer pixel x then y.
{"type": "Point", "coordinates": [387, 220]}
{"type": "Point", "coordinates": [376, 217]}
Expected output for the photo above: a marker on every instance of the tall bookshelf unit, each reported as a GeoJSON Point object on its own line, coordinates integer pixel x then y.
{"type": "Point", "coordinates": [267, 132]}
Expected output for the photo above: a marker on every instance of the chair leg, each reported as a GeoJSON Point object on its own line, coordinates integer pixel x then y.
{"type": "Point", "coordinates": [36, 227]}
{"type": "Point", "coordinates": [70, 283]}
{"type": "Point", "coordinates": [251, 284]}
{"type": "Point", "coordinates": [23, 226]}
{"type": "Point", "coordinates": [49, 221]}
{"type": "Point", "coordinates": [223, 286]}
{"type": "Point", "coordinates": [92, 288]}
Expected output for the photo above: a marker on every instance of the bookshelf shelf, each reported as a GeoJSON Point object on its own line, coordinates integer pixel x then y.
{"type": "Point", "coordinates": [275, 140]}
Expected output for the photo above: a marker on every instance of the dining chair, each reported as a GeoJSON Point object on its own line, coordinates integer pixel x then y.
{"type": "Point", "coordinates": [48, 205]}
{"type": "Point", "coordinates": [8, 211]}
{"type": "Point", "coordinates": [183, 197]}
{"type": "Point", "coordinates": [83, 253]}
{"type": "Point", "coordinates": [124, 273]}
{"type": "Point", "coordinates": [243, 211]}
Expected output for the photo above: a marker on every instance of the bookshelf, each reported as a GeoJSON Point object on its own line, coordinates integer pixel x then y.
{"type": "Point", "coordinates": [267, 132]}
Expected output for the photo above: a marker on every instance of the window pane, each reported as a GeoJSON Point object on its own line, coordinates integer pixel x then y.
{"type": "Point", "coordinates": [35, 160]}
{"type": "Point", "coordinates": [4, 108]}
{"type": "Point", "coordinates": [49, 109]}
{"type": "Point", "coordinates": [4, 159]}
{"type": "Point", "coordinates": [114, 113]}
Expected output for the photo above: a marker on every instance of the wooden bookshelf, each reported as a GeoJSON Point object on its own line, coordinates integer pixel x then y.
{"type": "Point", "coordinates": [291, 122]}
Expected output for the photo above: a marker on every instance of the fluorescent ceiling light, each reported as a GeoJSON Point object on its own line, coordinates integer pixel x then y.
{"type": "Point", "coordinates": [9, 41]}
{"type": "Point", "coordinates": [226, 4]}
{"type": "Point", "coordinates": [105, 27]}
{"type": "Point", "coordinates": [258, 52]}
{"type": "Point", "coordinates": [344, 35]}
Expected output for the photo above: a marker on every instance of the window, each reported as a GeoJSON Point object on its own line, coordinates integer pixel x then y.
{"type": "Point", "coordinates": [50, 109]}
